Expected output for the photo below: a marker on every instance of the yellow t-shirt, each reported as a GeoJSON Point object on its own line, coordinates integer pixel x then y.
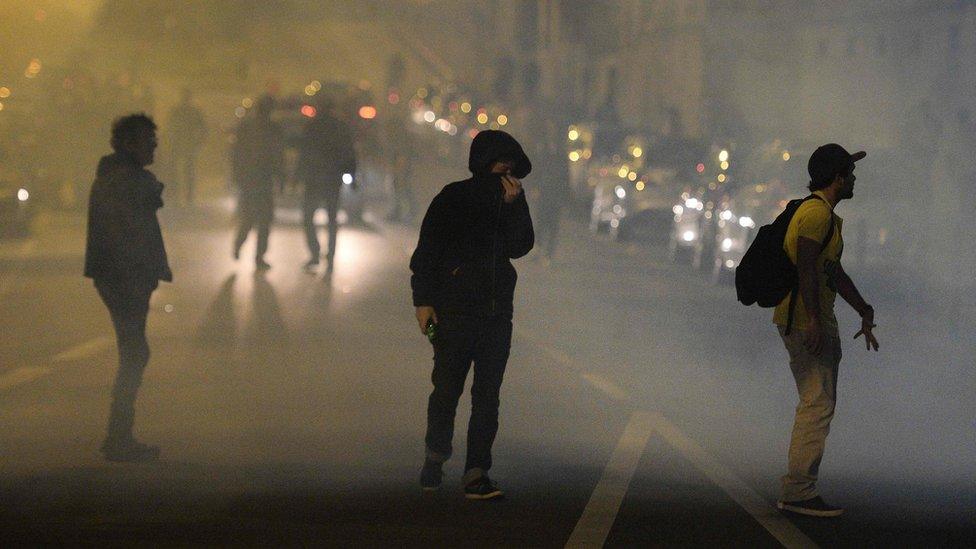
{"type": "Point", "coordinates": [812, 220]}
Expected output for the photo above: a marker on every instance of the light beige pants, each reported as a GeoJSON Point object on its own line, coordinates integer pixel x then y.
{"type": "Point", "coordinates": [816, 383]}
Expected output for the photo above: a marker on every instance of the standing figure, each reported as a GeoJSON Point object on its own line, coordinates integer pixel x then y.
{"type": "Point", "coordinates": [463, 287]}
{"type": "Point", "coordinates": [257, 162]}
{"type": "Point", "coordinates": [554, 191]}
{"type": "Point", "coordinates": [126, 258]}
{"type": "Point", "coordinates": [327, 161]}
{"type": "Point", "coordinates": [187, 132]}
{"type": "Point", "coordinates": [808, 326]}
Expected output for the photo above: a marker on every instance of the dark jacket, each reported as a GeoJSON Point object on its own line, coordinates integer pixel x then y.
{"type": "Point", "coordinates": [257, 158]}
{"type": "Point", "coordinates": [327, 151]}
{"type": "Point", "coordinates": [462, 264]}
{"type": "Point", "coordinates": [125, 242]}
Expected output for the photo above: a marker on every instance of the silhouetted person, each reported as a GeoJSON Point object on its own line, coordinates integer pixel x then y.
{"type": "Point", "coordinates": [464, 283]}
{"type": "Point", "coordinates": [554, 190]}
{"type": "Point", "coordinates": [258, 159]}
{"type": "Point", "coordinates": [814, 243]}
{"type": "Point", "coordinates": [402, 155]}
{"type": "Point", "coordinates": [187, 130]}
{"type": "Point", "coordinates": [326, 156]}
{"type": "Point", "coordinates": [126, 258]}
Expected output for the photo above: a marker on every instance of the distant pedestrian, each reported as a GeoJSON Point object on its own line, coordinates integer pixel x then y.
{"type": "Point", "coordinates": [187, 132]}
{"type": "Point", "coordinates": [258, 160]}
{"type": "Point", "coordinates": [554, 189]}
{"type": "Point", "coordinates": [463, 287]}
{"type": "Point", "coordinates": [808, 327]}
{"type": "Point", "coordinates": [327, 161]}
{"type": "Point", "coordinates": [126, 258]}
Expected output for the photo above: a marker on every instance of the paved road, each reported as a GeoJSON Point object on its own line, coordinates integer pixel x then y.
{"type": "Point", "coordinates": [641, 407]}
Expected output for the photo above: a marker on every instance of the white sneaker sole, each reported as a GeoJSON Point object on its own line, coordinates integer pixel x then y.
{"type": "Point", "coordinates": [784, 506]}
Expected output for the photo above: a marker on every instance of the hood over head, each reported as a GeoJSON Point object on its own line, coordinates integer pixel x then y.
{"type": "Point", "coordinates": [491, 145]}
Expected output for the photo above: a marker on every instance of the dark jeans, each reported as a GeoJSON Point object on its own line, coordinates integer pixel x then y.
{"type": "Point", "coordinates": [128, 304]}
{"type": "Point", "coordinates": [459, 342]}
{"type": "Point", "coordinates": [254, 212]}
{"type": "Point", "coordinates": [313, 201]}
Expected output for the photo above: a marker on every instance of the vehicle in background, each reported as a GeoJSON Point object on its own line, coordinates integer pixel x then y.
{"type": "Point", "coordinates": [690, 230]}
{"type": "Point", "coordinates": [738, 217]}
{"type": "Point", "coordinates": [16, 211]}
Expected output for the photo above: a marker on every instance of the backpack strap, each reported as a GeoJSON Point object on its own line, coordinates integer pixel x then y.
{"type": "Point", "coordinates": [796, 287]}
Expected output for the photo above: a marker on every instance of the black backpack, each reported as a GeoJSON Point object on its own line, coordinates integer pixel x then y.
{"type": "Point", "coordinates": [766, 275]}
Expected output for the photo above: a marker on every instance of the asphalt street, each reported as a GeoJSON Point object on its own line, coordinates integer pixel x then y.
{"type": "Point", "coordinates": [642, 406]}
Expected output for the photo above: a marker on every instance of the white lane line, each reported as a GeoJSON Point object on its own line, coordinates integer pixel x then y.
{"type": "Point", "coordinates": [612, 390]}
{"type": "Point", "coordinates": [601, 511]}
{"type": "Point", "coordinates": [84, 350]}
{"type": "Point", "coordinates": [770, 519]}
{"type": "Point", "coordinates": [19, 376]}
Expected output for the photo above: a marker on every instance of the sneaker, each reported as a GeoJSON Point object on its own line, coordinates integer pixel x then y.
{"type": "Point", "coordinates": [261, 265]}
{"type": "Point", "coordinates": [130, 452]}
{"type": "Point", "coordinates": [482, 488]}
{"type": "Point", "coordinates": [430, 476]}
{"type": "Point", "coordinates": [813, 507]}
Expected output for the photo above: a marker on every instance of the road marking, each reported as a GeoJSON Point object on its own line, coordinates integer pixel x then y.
{"type": "Point", "coordinates": [87, 349]}
{"type": "Point", "coordinates": [19, 376]}
{"type": "Point", "coordinates": [612, 390]}
{"type": "Point", "coordinates": [770, 519]}
{"type": "Point", "coordinates": [601, 511]}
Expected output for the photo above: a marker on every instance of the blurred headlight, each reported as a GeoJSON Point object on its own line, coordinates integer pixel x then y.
{"type": "Point", "coordinates": [621, 192]}
{"type": "Point", "coordinates": [726, 244]}
{"type": "Point", "coordinates": [23, 195]}
{"type": "Point", "coordinates": [688, 236]}
{"type": "Point", "coordinates": [747, 222]}
{"type": "Point", "coordinates": [678, 209]}
{"type": "Point", "coordinates": [347, 178]}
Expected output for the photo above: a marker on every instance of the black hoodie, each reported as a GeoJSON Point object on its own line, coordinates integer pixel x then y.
{"type": "Point", "coordinates": [125, 242]}
{"type": "Point", "coordinates": [469, 235]}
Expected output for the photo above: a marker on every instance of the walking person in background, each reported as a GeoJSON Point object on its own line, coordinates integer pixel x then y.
{"type": "Point", "coordinates": [326, 161]}
{"type": "Point", "coordinates": [808, 327]}
{"type": "Point", "coordinates": [554, 190]}
{"type": "Point", "coordinates": [257, 163]}
{"type": "Point", "coordinates": [187, 132]}
{"type": "Point", "coordinates": [126, 258]}
{"type": "Point", "coordinates": [463, 289]}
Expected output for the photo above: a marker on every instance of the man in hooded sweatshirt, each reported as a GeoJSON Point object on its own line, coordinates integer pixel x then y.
{"type": "Point", "coordinates": [463, 287]}
{"type": "Point", "coordinates": [126, 258]}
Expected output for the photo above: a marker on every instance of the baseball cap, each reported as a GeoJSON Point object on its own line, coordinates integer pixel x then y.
{"type": "Point", "coordinates": [829, 160]}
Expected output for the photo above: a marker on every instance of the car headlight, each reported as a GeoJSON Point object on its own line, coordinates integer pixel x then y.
{"type": "Point", "coordinates": [726, 244]}
{"type": "Point", "coordinates": [747, 222]}
{"type": "Point", "coordinates": [23, 195]}
{"type": "Point", "coordinates": [347, 178]}
{"type": "Point", "coordinates": [621, 192]}
{"type": "Point", "coordinates": [688, 236]}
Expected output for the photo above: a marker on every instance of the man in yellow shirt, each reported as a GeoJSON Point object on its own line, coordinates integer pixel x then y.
{"type": "Point", "coordinates": [814, 243]}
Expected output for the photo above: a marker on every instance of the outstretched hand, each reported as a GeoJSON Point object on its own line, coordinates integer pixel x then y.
{"type": "Point", "coordinates": [867, 325]}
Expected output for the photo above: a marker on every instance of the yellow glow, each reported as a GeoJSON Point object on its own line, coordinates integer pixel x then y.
{"type": "Point", "coordinates": [465, 107]}
{"type": "Point", "coordinates": [632, 176]}
{"type": "Point", "coordinates": [723, 156]}
{"type": "Point", "coordinates": [247, 103]}
{"type": "Point", "coordinates": [623, 171]}
{"type": "Point", "coordinates": [721, 178]}
{"type": "Point", "coordinates": [574, 156]}
{"type": "Point", "coordinates": [725, 165]}
{"type": "Point", "coordinates": [786, 156]}
{"type": "Point", "coordinates": [502, 120]}
{"type": "Point", "coordinates": [637, 152]}
{"type": "Point", "coordinates": [316, 85]}
{"type": "Point", "coordinates": [422, 93]}
{"type": "Point", "coordinates": [573, 134]}
{"type": "Point", "coordinates": [587, 153]}
{"type": "Point", "coordinates": [482, 118]}
{"type": "Point", "coordinates": [309, 90]}
{"type": "Point", "coordinates": [639, 186]}
{"type": "Point", "coordinates": [1, 106]}
{"type": "Point", "coordinates": [4, 92]}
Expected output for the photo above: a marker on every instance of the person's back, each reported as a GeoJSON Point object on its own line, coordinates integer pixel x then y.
{"type": "Point", "coordinates": [257, 154]}
{"type": "Point", "coordinates": [326, 153]}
